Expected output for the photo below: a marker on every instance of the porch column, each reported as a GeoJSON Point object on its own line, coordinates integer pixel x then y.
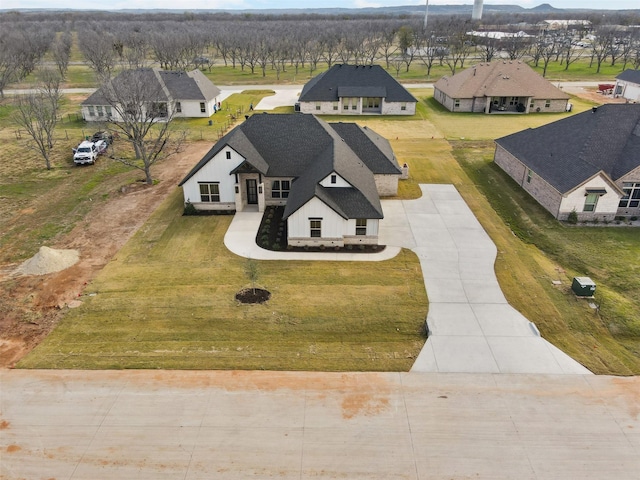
{"type": "Point", "coordinates": [239, 207]}
{"type": "Point", "coordinates": [487, 106]}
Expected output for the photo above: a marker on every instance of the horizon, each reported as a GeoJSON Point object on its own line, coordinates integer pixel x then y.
{"type": "Point", "coordinates": [239, 5]}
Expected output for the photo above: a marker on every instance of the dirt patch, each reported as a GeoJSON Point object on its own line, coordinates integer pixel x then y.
{"type": "Point", "coordinates": [592, 94]}
{"type": "Point", "coordinates": [32, 305]}
{"type": "Point", "coordinates": [253, 295]}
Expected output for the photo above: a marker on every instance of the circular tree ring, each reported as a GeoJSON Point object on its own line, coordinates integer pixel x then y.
{"type": "Point", "coordinates": [253, 295]}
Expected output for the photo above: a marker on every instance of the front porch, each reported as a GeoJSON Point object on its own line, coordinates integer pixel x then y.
{"type": "Point", "coordinates": [507, 104]}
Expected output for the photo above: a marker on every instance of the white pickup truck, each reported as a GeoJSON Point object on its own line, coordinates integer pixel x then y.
{"type": "Point", "coordinates": [87, 152]}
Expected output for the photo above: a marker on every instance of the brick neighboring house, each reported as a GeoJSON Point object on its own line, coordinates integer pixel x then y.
{"type": "Point", "coordinates": [329, 177]}
{"type": "Point", "coordinates": [356, 90]}
{"type": "Point", "coordinates": [502, 86]}
{"type": "Point", "coordinates": [589, 162]}
{"type": "Point", "coordinates": [628, 85]}
{"type": "Point", "coordinates": [176, 93]}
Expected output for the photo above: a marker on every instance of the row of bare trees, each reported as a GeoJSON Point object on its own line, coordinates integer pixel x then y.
{"type": "Point", "coordinates": [111, 44]}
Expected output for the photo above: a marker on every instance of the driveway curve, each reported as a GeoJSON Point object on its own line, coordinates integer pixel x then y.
{"type": "Point", "coordinates": [471, 326]}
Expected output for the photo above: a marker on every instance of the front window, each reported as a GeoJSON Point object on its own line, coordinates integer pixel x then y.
{"type": "Point", "coordinates": [203, 109]}
{"type": "Point", "coordinates": [92, 112]}
{"type": "Point", "coordinates": [158, 110]}
{"type": "Point", "coordinates": [371, 102]}
{"type": "Point", "coordinates": [315, 227]}
{"type": "Point", "coordinates": [178, 107]}
{"type": "Point", "coordinates": [100, 112]}
{"type": "Point", "coordinates": [590, 202]}
{"type": "Point", "coordinates": [361, 226]}
{"type": "Point", "coordinates": [403, 106]}
{"type": "Point", "coordinates": [529, 174]}
{"type": "Point", "coordinates": [107, 109]}
{"type": "Point", "coordinates": [280, 189]}
{"type": "Point", "coordinates": [547, 103]}
{"type": "Point", "coordinates": [456, 102]}
{"type": "Point", "coordinates": [631, 198]}
{"type": "Point", "coordinates": [209, 192]}
{"type": "Point", "coordinates": [318, 105]}
{"type": "Point", "coordinates": [335, 105]}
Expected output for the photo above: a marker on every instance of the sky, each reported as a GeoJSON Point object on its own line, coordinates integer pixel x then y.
{"type": "Point", "coordinates": [268, 4]}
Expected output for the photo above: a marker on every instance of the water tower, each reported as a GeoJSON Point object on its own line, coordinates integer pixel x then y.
{"type": "Point", "coordinates": [477, 10]}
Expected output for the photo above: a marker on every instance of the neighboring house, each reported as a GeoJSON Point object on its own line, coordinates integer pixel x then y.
{"type": "Point", "coordinates": [588, 163]}
{"type": "Point", "coordinates": [356, 90]}
{"type": "Point", "coordinates": [628, 85]}
{"type": "Point", "coordinates": [176, 94]}
{"type": "Point", "coordinates": [329, 177]}
{"type": "Point", "coordinates": [504, 86]}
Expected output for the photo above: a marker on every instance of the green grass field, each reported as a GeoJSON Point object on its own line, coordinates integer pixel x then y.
{"type": "Point", "coordinates": [166, 301]}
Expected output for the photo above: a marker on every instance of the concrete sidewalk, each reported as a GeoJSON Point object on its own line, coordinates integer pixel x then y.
{"type": "Point", "coordinates": [152, 425]}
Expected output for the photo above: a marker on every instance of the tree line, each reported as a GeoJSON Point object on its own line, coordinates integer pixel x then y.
{"type": "Point", "coordinates": [111, 43]}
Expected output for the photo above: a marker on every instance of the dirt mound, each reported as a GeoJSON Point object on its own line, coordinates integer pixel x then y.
{"type": "Point", "coordinates": [48, 260]}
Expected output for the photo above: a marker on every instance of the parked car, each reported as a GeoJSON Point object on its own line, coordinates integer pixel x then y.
{"type": "Point", "coordinates": [105, 136]}
{"type": "Point", "coordinates": [85, 153]}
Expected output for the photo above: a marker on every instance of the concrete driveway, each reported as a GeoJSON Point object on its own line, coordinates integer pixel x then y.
{"type": "Point", "coordinates": [472, 328]}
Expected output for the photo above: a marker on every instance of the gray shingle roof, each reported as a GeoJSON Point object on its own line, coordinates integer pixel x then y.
{"type": "Point", "coordinates": [178, 85]}
{"type": "Point", "coordinates": [499, 79]}
{"type": "Point", "coordinates": [189, 85]}
{"type": "Point", "coordinates": [632, 76]}
{"type": "Point", "coordinates": [374, 150]}
{"type": "Point", "coordinates": [354, 81]}
{"type": "Point", "coordinates": [309, 149]}
{"type": "Point", "coordinates": [568, 152]}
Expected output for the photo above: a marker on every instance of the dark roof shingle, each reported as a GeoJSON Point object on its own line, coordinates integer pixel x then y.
{"type": "Point", "coordinates": [568, 152]}
{"type": "Point", "coordinates": [343, 80]}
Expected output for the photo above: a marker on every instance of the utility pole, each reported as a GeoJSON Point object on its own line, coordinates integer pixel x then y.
{"type": "Point", "coordinates": [426, 14]}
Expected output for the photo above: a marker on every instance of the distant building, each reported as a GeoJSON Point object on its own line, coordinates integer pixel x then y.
{"type": "Point", "coordinates": [628, 85]}
{"type": "Point", "coordinates": [499, 87]}
{"type": "Point", "coordinates": [356, 90]}
{"type": "Point", "coordinates": [179, 94]}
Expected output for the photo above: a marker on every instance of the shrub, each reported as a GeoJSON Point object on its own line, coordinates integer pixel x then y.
{"type": "Point", "coordinates": [573, 217]}
{"type": "Point", "coordinates": [189, 209]}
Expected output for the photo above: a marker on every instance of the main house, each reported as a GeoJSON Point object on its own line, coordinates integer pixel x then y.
{"type": "Point", "coordinates": [356, 90]}
{"type": "Point", "coordinates": [328, 177]}
{"type": "Point", "coordinates": [588, 163]}
{"type": "Point", "coordinates": [172, 93]}
{"type": "Point", "coordinates": [628, 85]}
{"type": "Point", "coordinates": [499, 87]}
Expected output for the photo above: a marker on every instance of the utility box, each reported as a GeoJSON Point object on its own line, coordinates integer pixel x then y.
{"type": "Point", "coordinates": [583, 286]}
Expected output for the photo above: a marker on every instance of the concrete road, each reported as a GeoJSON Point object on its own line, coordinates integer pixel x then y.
{"type": "Point", "coordinates": [234, 425]}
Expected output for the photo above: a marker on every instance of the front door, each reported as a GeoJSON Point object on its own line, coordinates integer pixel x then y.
{"type": "Point", "coordinates": [252, 191]}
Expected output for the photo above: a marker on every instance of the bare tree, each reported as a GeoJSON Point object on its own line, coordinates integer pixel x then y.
{"type": "Point", "coordinates": [602, 45]}
{"type": "Point", "coordinates": [37, 113]}
{"type": "Point", "coordinates": [460, 49]}
{"type": "Point", "coordinates": [428, 49]}
{"type": "Point", "coordinates": [97, 49]}
{"type": "Point", "coordinates": [142, 116]}
{"type": "Point", "coordinates": [61, 52]}
{"type": "Point", "coordinates": [20, 50]}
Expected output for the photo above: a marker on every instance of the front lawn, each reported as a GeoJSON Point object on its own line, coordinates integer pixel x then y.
{"type": "Point", "coordinates": [167, 301]}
